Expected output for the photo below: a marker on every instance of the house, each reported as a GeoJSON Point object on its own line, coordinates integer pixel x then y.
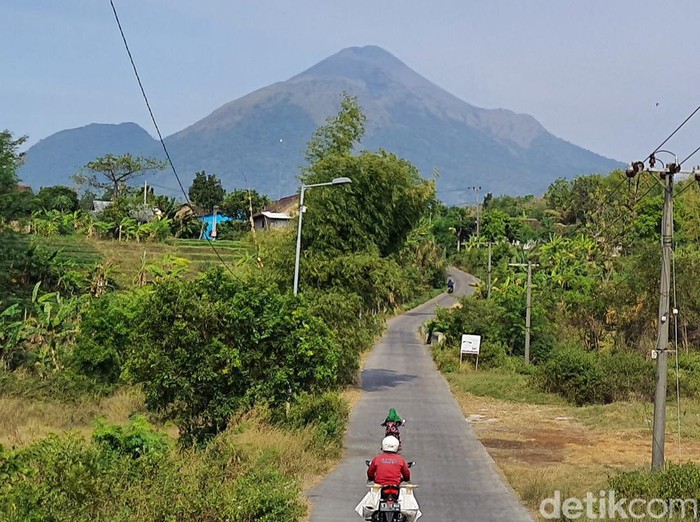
{"type": "Point", "coordinates": [277, 214]}
{"type": "Point", "coordinates": [270, 220]}
{"type": "Point", "coordinates": [99, 205]}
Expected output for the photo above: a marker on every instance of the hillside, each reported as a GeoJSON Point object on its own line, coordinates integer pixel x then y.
{"type": "Point", "coordinates": [258, 140]}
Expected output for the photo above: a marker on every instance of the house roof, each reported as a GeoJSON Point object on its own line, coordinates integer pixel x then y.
{"type": "Point", "coordinates": [274, 215]}
{"type": "Point", "coordinates": [287, 205]}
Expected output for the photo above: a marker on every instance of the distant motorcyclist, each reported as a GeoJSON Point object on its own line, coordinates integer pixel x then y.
{"type": "Point", "coordinates": [450, 285]}
{"type": "Point", "coordinates": [389, 468]}
{"type": "Point", "coordinates": [391, 425]}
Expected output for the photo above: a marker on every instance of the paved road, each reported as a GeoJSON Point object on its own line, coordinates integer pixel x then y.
{"type": "Point", "coordinates": [458, 480]}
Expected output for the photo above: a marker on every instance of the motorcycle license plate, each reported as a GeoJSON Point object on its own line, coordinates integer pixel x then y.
{"type": "Point", "coordinates": [389, 506]}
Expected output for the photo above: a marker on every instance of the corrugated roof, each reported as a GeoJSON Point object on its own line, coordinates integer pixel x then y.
{"type": "Point", "coordinates": [275, 215]}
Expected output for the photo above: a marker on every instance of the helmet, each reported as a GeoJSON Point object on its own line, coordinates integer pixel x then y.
{"type": "Point", "coordinates": [390, 444]}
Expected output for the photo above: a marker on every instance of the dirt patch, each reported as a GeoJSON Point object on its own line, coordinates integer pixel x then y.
{"type": "Point", "coordinates": [544, 448]}
{"type": "Point", "coordinates": [536, 447]}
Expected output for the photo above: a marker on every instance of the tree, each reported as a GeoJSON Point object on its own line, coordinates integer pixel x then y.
{"type": "Point", "coordinates": [12, 200]}
{"type": "Point", "coordinates": [205, 349]}
{"type": "Point", "coordinates": [112, 172]}
{"type": "Point", "coordinates": [237, 203]}
{"type": "Point", "coordinates": [386, 199]}
{"type": "Point", "coordinates": [340, 133]}
{"type": "Point", "coordinates": [10, 160]}
{"type": "Point", "coordinates": [206, 191]}
{"type": "Point", "coordinates": [58, 197]}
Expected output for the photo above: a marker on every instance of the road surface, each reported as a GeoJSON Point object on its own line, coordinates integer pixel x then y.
{"type": "Point", "coordinates": [457, 479]}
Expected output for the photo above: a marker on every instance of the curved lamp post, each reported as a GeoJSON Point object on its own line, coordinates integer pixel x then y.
{"type": "Point", "coordinates": [335, 181]}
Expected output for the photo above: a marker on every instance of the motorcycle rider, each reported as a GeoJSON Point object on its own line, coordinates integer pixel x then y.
{"type": "Point", "coordinates": [450, 284]}
{"type": "Point", "coordinates": [389, 468]}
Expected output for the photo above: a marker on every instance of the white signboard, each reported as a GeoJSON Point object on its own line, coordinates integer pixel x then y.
{"type": "Point", "coordinates": [470, 344]}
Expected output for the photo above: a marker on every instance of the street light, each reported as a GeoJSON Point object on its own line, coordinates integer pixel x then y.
{"type": "Point", "coordinates": [335, 181]}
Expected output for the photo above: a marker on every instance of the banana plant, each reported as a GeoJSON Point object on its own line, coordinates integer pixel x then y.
{"type": "Point", "coordinates": [50, 327]}
{"type": "Point", "coordinates": [10, 333]}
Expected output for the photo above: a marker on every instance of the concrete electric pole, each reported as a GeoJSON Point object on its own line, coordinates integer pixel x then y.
{"type": "Point", "coordinates": [476, 191]}
{"type": "Point", "coordinates": [661, 350]}
{"type": "Point", "coordinates": [528, 306]}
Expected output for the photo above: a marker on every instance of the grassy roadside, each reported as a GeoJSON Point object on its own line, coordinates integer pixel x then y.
{"type": "Point", "coordinates": [542, 444]}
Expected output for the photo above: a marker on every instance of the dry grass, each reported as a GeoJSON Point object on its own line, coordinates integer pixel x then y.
{"type": "Point", "coordinates": [23, 421]}
{"type": "Point", "coordinates": [541, 448]}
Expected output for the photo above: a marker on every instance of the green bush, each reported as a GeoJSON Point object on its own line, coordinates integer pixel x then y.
{"type": "Point", "coordinates": [446, 357]}
{"type": "Point", "coordinates": [137, 438]}
{"type": "Point", "coordinates": [574, 374]}
{"type": "Point", "coordinates": [328, 413]}
{"type": "Point", "coordinates": [354, 330]}
{"type": "Point", "coordinates": [675, 481]}
{"type": "Point", "coordinates": [205, 350]}
{"type": "Point", "coordinates": [475, 316]}
{"type": "Point", "coordinates": [106, 329]}
{"type": "Point", "coordinates": [627, 376]}
{"type": "Point", "coordinates": [689, 374]}
{"type": "Point", "coordinates": [130, 475]}
{"type": "Point", "coordinates": [584, 377]}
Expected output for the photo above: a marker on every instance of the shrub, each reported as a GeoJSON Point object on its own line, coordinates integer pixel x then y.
{"type": "Point", "coordinates": [587, 377]}
{"type": "Point", "coordinates": [446, 357]}
{"type": "Point", "coordinates": [137, 438]}
{"type": "Point", "coordinates": [574, 374]}
{"type": "Point", "coordinates": [475, 316]}
{"type": "Point", "coordinates": [627, 376]}
{"type": "Point", "coordinates": [207, 349]}
{"type": "Point", "coordinates": [327, 413]}
{"type": "Point", "coordinates": [689, 374]}
{"type": "Point", "coordinates": [675, 481]}
{"type": "Point", "coordinates": [354, 330]}
{"type": "Point", "coordinates": [106, 330]}
{"type": "Point", "coordinates": [116, 478]}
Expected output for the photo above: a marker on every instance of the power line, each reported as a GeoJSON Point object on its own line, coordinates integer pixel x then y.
{"type": "Point", "coordinates": [160, 136]}
{"type": "Point", "coordinates": [673, 133]}
{"type": "Point", "coordinates": [690, 156]}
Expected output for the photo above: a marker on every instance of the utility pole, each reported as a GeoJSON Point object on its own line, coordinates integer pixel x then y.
{"type": "Point", "coordinates": [528, 305]}
{"type": "Point", "coordinates": [661, 351]}
{"type": "Point", "coordinates": [488, 291]}
{"type": "Point", "coordinates": [476, 192]}
{"type": "Point", "coordinates": [145, 188]}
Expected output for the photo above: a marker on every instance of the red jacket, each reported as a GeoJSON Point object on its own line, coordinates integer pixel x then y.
{"type": "Point", "coordinates": [387, 469]}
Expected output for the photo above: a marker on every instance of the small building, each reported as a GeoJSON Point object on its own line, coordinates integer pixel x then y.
{"type": "Point", "coordinates": [270, 220]}
{"type": "Point", "coordinates": [277, 214]}
{"type": "Point", "coordinates": [99, 205]}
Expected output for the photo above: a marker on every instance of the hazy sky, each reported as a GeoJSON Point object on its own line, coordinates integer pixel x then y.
{"type": "Point", "coordinates": [613, 76]}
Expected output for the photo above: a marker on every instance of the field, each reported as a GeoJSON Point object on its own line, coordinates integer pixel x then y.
{"type": "Point", "coordinates": [541, 444]}
{"type": "Point", "coordinates": [124, 260]}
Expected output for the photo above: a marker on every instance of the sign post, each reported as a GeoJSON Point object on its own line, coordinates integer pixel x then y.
{"type": "Point", "coordinates": [470, 346]}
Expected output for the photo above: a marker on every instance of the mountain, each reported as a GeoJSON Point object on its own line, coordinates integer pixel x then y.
{"type": "Point", "coordinates": [258, 140]}
{"type": "Point", "coordinates": [55, 159]}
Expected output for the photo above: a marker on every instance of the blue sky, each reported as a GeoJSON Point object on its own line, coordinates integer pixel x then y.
{"type": "Point", "coordinates": [613, 76]}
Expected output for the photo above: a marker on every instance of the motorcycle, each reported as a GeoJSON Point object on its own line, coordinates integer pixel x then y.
{"type": "Point", "coordinates": [392, 503]}
{"type": "Point", "coordinates": [450, 286]}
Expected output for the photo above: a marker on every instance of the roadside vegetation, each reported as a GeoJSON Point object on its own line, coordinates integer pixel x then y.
{"type": "Point", "coordinates": [579, 417]}
{"type": "Point", "coordinates": [143, 379]}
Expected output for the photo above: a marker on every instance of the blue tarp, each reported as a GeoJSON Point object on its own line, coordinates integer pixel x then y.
{"type": "Point", "coordinates": [209, 221]}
